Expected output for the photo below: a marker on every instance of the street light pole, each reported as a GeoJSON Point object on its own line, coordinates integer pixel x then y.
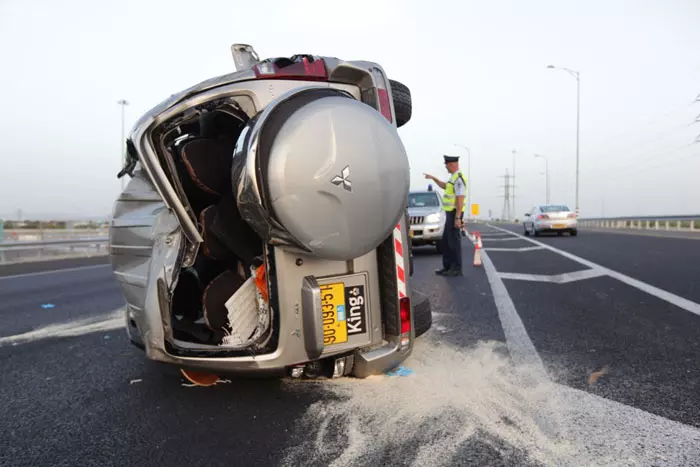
{"type": "Point", "coordinates": [123, 103]}
{"type": "Point", "coordinates": [546, 176]}
{"type": "Point", "coordinates": [469, 180]}
{"type": "Point", "coordinates": [576, 75]}
{"type": "Point", "coordinates": [513, 182]}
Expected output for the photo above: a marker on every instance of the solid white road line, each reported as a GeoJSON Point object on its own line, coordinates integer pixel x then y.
{"type": "Point", "coordinates": [113, 320]}
{"type": "Point", "coordinates": [603, 425]}
{"type": "Point", "coordinates": [556, 278]}
{"type": "Point", "coordinates": [56, 271]}
{"type": "Point", "coordinates": [521, 348]}
{"type": "Point", "coordinates": [517, 250]}
{"type": "Point", "coordinates": [674, 299]}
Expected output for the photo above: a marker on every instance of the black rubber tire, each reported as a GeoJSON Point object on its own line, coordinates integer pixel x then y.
{"type": "Point", "coordinates": [535, 233]}
{"type": "Point", "coordinates": [527, 232]}
{"type": "Point", "coordinates": [573, 233]}
{"type": "Point", "coordinates": [422, 313]}
{"type": "Point", "coordinates": [403, 106]}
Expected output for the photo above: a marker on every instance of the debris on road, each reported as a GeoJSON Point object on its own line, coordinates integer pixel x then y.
{"type": "Point", "coordinates": [134, 381]}
{"type": "Point", "coordinates": [47, 306]}
{"type": "Point", "coordinates": [198, 378]}
{"type": "Point", "coordinates": [400, 371]}
{"type": "Point", "coordinates": [596, 375]}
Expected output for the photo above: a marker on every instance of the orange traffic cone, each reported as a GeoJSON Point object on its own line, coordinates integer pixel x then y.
{"type": "Point", "coordinates": [481, 245]}
{"type": "Point", "coordinates": [477, 255]}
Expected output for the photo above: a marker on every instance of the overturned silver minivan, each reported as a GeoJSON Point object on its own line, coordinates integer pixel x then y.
{"type": "Point", "coordinates": [264, 226]}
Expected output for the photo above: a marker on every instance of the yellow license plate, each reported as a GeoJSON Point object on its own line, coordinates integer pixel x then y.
{"type": "Point", "coordinates": [335, 329]}
{"type": "Point", "coordinates": [559, 226]}
{"type": "Point", "coordinates": [410, 233]}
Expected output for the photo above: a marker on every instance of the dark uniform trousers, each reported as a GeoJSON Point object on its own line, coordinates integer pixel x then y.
{"type": "Point", "coordinates": [451, 244]}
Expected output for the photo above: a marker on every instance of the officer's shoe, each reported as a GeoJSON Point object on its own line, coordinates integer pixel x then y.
{"type": "Point", "coordinates": [441, 272]}
{"type": "Point", "coordinates": [453, 273]}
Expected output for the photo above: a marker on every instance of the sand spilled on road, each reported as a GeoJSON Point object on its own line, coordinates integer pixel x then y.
{"type": "Point", "coordinates": [453, 396]}
{"type": "Point", "coordinates": [460, 401]}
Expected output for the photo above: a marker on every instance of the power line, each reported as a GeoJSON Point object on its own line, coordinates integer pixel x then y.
{"type": "Point", "coordinates": [632, 150]}
{"type": "Point", "coordinates": [637, 159]}
{"type": "Point", "coordinates": [636, 127]}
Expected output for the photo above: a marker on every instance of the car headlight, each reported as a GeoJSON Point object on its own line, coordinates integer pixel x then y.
{"type": "Point", "coordinates": [432, 218]}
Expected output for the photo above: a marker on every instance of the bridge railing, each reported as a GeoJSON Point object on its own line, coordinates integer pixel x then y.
{"type": "Point", "coordinates": [12, 252]}
{"type": "Point", "coordinates": [682, 222]}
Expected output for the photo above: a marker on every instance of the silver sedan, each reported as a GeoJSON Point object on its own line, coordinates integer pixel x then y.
{"type": "Point", "coordinates": [550, 218]}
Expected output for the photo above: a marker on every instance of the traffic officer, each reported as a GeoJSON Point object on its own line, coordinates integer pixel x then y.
{"type": "Point", "coordinates": [453, 205]}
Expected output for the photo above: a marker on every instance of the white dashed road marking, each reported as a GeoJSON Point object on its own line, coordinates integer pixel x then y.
{"type": "Point", "coordinates": [56, 271]}
{"type": "Point", "coordinates": [674, 299]}
{"type": "Point", "coordinates": [516, 250]}
{"type": "Point", "coordinates": [554, 279]}
{"type": "Point", "coordinates": [113, 320]}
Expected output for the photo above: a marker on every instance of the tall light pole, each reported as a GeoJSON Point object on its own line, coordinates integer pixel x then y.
{"type": "Point", "coordinates": [546, 176]}
{"type": "Point", "coordinates": [123, 103]}
{"type": "Point", "coordinates": [576, 75]}
{"type": "Point", "coordinates": [513, 182]}
{"type": "Point", "coordinates": [469, 180]}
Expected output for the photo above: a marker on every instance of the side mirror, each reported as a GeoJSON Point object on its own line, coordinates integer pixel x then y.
{"type": "Point", "coordinates": [527, 215]}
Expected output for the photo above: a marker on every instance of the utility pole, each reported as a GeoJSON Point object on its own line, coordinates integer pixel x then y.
{"type": "Point", "coordinates": [513, 181]}
{"type": "Point", "coordinates": [123, 103]}
{"type": "Point", "coordinates": [697, 119]}
{"type": "Point", "coordinates": [506, 214]}
{"type": "Point", "coordinates": [546, 176]}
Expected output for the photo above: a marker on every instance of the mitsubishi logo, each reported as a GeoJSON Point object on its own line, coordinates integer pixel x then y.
{"type": "Point", "coordinates": [343, 178]}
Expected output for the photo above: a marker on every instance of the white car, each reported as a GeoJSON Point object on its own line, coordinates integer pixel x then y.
{"type": "Point", "coordinates": [550, 218]}
{"type": "Point", "coordinates": [426, 217]}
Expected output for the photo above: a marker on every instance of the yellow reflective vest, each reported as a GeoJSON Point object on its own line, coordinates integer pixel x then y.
{"type": "Point", "coordinates": [449, 199]}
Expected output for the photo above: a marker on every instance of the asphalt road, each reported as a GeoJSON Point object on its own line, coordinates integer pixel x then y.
{"type": "Point", "coordinates": [529, 362]}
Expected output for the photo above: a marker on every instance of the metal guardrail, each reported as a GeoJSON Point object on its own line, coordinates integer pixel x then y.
{"type": "Point", "coordinates": [13, 252]}
{"type": "Point", "coordinates": [683, 222]}
{"type": "Point", "coordinates": [48, 234]}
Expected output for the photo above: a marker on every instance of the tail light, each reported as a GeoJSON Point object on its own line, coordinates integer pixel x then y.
{"type": "Point", "coordinates": [304, 70]}
{"type": "Point", "coordinates": [261, 282]}
{"type": "Point", "coordinates": [405, 311]}
{"type": "Point", "coordinates": [383, 102]}
{"type": "Point", "coordinates": [543, 216]}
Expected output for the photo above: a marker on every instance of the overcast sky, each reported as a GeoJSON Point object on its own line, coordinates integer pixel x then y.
{"type": "Point", "coordinates": [476, 69]}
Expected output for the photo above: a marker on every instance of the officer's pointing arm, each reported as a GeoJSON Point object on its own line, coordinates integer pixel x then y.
{"type": "Point", "coordinates": [439, 183]}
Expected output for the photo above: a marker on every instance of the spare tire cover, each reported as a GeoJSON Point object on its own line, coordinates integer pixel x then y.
{"type": "Point", "coordinates": [334, 173]}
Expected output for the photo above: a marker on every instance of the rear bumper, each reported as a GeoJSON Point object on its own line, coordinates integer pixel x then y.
{"type": "Point", "coordinates": [556, 225]}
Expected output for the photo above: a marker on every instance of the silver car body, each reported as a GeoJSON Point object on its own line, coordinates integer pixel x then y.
{"type": "Point", "coordinates": [550, 218]}
{"type": "Point", "coordinates": [426, 217]}
{"type": "Point", "coordinates": [154, 235]}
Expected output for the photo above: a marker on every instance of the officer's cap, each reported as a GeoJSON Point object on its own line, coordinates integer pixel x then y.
{"type": "Point", "coordinates": [449, 159]}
